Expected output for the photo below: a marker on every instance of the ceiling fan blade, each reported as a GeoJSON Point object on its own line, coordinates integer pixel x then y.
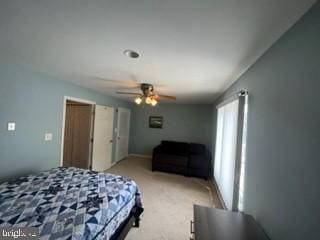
{"type": "Point", "coordinates": [123, 83]}
{"type": "Point", "coordinates": [166, 97]}
{"type": "Point", "coordinates": [129, 93]}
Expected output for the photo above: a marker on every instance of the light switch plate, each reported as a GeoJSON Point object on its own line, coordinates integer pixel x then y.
{"type": "Point", "coordinates": [48, 137]}
{"type": "Point", "coordinates": [11, 126]}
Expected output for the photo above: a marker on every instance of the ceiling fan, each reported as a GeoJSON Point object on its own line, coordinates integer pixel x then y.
{"type": "Point", "coordinates": [148, 95]}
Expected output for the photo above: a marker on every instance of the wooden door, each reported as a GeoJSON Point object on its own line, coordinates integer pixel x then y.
{"type": "Point", "coordinates": [77, 137]}
{"type": "Point", "coordinates": [68, 136]}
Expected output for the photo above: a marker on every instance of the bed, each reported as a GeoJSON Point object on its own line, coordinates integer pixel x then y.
{"type": "Point", "coordinates": [71, 203]}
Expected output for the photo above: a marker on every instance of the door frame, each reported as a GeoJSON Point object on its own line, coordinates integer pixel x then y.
{"type": "Point", "coordinates": [65, 99]}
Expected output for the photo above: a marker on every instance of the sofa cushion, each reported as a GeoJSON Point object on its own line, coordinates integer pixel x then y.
{"type": "Point", "coordinates": [196, 148]}
{"type": "Point", "coordinates": [175, 148]}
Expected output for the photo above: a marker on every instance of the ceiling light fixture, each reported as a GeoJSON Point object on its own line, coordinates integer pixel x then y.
{"type": "Point", "coordinates": [138, 100]}
{"type": "Point", "coordinates": [147, 95]}
{"type": "Point", "coordinates": [154, 102]}
{"type": "Point", "coordinates": [131, 54]}
{"type": "Point", "coordinates": [148, 100]}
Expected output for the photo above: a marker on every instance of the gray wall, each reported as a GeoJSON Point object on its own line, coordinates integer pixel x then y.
{"type": "Point", "coordinates": [35, 102]}
{"type": "Point", "coordinates": [182, 122]}
{"type": "Point", "coordinates": [282, 178]}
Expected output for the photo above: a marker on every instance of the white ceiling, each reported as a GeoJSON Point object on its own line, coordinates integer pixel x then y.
{"type": "Point", "coordinates": [193, 49]}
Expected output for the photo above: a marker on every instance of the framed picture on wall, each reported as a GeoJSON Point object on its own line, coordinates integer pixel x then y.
{"type": "Point", "coordinates": [155, 122]}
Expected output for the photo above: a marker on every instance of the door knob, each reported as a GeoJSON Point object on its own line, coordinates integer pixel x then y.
{"type": "Point", "coordinates": [110, 141]}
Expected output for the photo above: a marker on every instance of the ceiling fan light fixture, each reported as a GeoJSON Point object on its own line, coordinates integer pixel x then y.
{"type": "Point", "coordinates": [138, 100]}
{"type": "Point", "coordinates": [154, 102]}
{"type": "Point", "coordinates": [148, 100]}
{"type": "Point", "coordinates": [148, 95]}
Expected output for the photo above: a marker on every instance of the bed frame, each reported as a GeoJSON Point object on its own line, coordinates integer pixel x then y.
{"type": "Point", "coordinates": [133, 220]}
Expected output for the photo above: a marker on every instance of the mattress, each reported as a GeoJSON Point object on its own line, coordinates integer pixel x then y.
{"type": "Point", "coordinates": [68, 203]}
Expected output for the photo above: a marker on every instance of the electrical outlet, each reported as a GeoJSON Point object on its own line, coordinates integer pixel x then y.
{"type": "Point", "coordinates": [48, 137]}
{"type": "Point", "coordinates": [11, 126]}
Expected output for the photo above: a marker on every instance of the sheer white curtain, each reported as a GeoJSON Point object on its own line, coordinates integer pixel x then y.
{"type": "Point", "coordinates": [226, 150]}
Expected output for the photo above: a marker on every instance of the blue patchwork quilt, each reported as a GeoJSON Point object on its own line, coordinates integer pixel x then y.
{"type": "Point", "coordinates": [68, 203]}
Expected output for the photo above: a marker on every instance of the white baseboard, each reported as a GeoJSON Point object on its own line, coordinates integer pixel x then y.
{"type": "Point", "coordinates": [140, 155]}
{"type": "Point", "coordinates": [113, 163]}
{"type": "Point", "coordinates": [219, 193]}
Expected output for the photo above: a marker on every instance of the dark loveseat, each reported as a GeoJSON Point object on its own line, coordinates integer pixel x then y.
{"type": "Point", "coordinates": [189, 159]}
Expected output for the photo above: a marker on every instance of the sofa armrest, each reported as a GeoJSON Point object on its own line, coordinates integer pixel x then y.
{"type": "Point", "coordinates": [198, 161]}
{"type": "Point", "coordinates": [156, 150]}
{"type": "Point", "coordinates": [201, 160]}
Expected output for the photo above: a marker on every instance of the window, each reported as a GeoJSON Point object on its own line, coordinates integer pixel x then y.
{"type": "Point", "coordinates": [228, 164]}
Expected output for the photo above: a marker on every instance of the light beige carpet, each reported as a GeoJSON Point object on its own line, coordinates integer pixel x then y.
{"type": "Point", "coordinates": [167, 200]}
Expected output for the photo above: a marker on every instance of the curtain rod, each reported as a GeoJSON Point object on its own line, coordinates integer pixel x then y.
{"type": "Point", "coordinates": [233, 97]}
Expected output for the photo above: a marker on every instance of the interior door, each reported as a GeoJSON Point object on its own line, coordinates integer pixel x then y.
{"type": "Point", "coordinates": [102, 139]}
{"type": "Point", "coordinates": [68, 137]}
{"type": "Point", "coordinates": [81, 142]}
{"type": "Point", "coordinates": [123, 127]}
{"type": "Point", "coordinates": [77, 135]}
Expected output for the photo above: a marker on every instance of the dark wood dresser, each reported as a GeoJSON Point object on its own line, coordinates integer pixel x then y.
{"type": "Point", "coordinates": [217, 224]}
